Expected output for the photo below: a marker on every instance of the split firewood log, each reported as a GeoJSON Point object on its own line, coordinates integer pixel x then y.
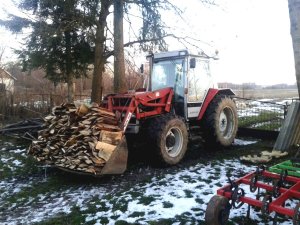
{"type": "Point", "coordinates": [77, 138]}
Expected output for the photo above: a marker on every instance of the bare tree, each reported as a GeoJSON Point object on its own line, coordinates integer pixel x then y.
{"type": "Point", "coordinates": [119, 62]}
{"type": "Point", "coordinates": [100, 51]}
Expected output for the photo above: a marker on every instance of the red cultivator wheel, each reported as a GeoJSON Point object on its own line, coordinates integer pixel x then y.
{"type": "Point", "coordinates": [277, 190]}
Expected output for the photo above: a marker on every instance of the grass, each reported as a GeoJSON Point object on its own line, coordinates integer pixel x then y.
{"type": "Point", "coordinates": [137, 214]}
{"type": "Point", "coordinates": [8, 156]}
{"type": "Point", "coordinates": [75, 217]}
{"type": "Point", "coordinates": [167, 205]}
{"type": "Point", "coordinates": [120, 205]}
{"type": "Point", "coordinates": [146, 200]}
{"type": "Point", "coordinates": [53, 185]}
{"type": "Point", "coordinates": [188, 193]}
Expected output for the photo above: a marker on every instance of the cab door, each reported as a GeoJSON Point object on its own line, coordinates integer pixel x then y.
{"type": "Point", "coordinates": [199, 81]}
{"type": "Point", "coordinates": [179, 84]}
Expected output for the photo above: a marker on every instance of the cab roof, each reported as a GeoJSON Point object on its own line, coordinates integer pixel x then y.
{"type": "Point", "coordinates": [178, 53]}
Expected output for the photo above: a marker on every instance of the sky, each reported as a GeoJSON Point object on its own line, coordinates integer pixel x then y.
{"type": "Point", "coordinates": [252, 38]}
{"type": "Point", "coordinates": [8, 41]}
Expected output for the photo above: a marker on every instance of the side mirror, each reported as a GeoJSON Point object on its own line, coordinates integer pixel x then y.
{"type": "Point", "coordinates": [142, 68]}
{"type": "Point", "coordinates": [193, 63]}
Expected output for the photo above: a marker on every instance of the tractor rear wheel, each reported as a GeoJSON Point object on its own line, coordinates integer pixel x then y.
{"type": "Point", "coordinates": [220, 122]}
{"type": "Point", "coordinates": [169, 137]}
{"type": "Point", "coordinates": [217, 211]}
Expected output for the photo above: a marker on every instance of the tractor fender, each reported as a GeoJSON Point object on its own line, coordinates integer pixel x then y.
{"type": "Point", "coordinates": [210, 96]}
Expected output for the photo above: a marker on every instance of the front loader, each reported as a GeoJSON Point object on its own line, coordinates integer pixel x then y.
{"type": "Point", "coordinates": [180, 100]}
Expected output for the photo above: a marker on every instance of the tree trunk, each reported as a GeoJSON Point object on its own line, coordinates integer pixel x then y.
{"type": "Point", "coordinates": [119, 63]}
{"type": "Point", "coordinates": [294, 9]}
{"type": "Point", "coordinates": [70, 88]}
{"type": "Point", "coordinates": [69, 74]}
{"type": "Point", "coordinates": [100, 59]}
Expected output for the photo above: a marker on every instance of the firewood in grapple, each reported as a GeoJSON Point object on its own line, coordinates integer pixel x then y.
{"type": "Point", "coordinates": [81, 140]}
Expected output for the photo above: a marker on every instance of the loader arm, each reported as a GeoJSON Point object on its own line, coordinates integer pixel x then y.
{"type": "Point", "coordinates": [141, 104]}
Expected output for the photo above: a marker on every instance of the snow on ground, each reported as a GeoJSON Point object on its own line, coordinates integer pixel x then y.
{"type": "Point", "coordinates": [19, 151]}
{"type": "Point", "coordinates": [184, 191]}
{"type": "Point", "coordinates": [180, 195]}
{"type": "Point", "coordinates": [53, 204]}
{"type": "Point", "coordinates": [243, 142]}
{"type": "Point", "coordinates": [187, 191]}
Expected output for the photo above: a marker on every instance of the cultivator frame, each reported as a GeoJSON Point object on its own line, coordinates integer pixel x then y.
{"type": "Point", "coordinates": [272, 201]}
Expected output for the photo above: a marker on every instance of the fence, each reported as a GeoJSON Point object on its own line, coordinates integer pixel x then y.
{"type": "Point", "coordinates": [14, 107]}
{"type": "Point", "coordinates": [261, 115]}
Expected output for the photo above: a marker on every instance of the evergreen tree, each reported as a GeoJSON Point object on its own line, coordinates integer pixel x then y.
{"type": "Point", "coordinates": [67, 35]}
{"type": "Point", "coordinates": [58, 41]}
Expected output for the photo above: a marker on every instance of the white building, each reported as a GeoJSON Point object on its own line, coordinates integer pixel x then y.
{"type": "Point", "coordinates": [7, 81]}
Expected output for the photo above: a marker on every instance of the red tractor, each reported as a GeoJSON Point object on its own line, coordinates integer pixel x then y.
{"type": "Point", "coordinates": [180, 100]}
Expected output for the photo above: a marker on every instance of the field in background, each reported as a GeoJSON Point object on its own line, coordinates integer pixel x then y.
{"type": "Point", "coordinates": [267, 93]}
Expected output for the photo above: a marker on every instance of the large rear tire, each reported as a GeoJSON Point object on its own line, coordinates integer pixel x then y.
{"type": "Point", "coordinates": [169, 138]}
{"type": "Point", "coordinates": [220, 122]}
{"type": "Point", "coordinates": [217, 211]}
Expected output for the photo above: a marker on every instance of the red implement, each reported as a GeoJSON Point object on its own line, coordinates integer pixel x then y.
{"type": "Point", "coordinates": [276, 190]}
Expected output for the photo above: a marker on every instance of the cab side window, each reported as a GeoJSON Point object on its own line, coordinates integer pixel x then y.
{"type": "Point", "coordinates": [199, 80]}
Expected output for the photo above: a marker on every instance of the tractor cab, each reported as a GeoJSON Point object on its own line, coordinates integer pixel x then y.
{"type": "Point", "coordinates": [188, 75]}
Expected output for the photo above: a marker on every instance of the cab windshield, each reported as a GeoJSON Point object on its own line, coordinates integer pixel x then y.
{"type": "Point", "coordinates": [166, 73]}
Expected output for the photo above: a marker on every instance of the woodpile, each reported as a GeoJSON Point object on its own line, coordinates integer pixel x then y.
{"type": "Point", "coordinates": [79, 139]}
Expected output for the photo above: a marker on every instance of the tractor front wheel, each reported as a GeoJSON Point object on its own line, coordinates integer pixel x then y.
{"type": "Point", "coordinates": [220, 122]}
{"type": "Point", "coordinates": [217, 211]}
{"type": "Point", "coordinates": [169, 137]}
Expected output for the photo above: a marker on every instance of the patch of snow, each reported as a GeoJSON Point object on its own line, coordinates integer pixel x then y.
{"type": "Point", "coordinates": [19, 150]}
{"type": "Point", "coordinates": [5, 160]}
{"type": "Point", "coordinates": [17, 162]}
{"type": "Point", "coordinates": [266, 100]}
{"type": "Point", "coordinates": [16, 190]}
{"type": "Point", "coordinates": [243, 142]}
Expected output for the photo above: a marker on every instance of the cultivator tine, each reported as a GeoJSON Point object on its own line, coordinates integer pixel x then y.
{"type": "Point", "coordinates": [230, 182]}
